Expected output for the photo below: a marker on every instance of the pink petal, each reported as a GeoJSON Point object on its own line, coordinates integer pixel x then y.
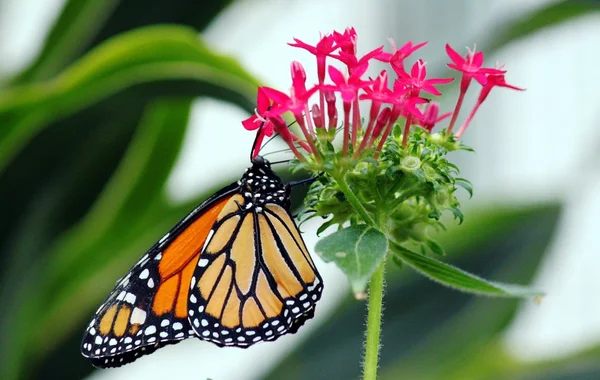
{"type": "Point", "coordinates": [454, 56]}
{"type": "Point", "coordinates": [477, 59]}
{"type": "Point", "coordinates": [303, 45]}
{"type": "Point", "coordinates": [277, 96]}
{"type": "Point", "coordinates": [251, 123]}
{"type": "Point", "coordinates": [336, 76]}
{"type": "Point", "coordinates": [440, 80]}
{"type": "Point", "coordinates": [262, 101]}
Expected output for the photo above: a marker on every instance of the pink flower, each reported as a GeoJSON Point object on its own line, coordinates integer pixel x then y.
{"type": "Point", "coordinates": [299, 95]}
{"type": "Point", "coordinates": [398, 56]}
{"type": "Point", "coordinates": [346, 41]}
{"type": "Point", "coordinates": [432, 117]}
{"type": "Point", "coordinates": [352, 62]}
{"type": "Point", "coordinates": [324, 47]}
{"type": "Point", "coordinates": [469, 66]}
{"type": "Point", "coordinates": [347, 85]}
{"type": "Point", "coordinates": [416, 81]}
{"type": "Point", "coordinates": [495, 80]}
{"type": "Point", "coordinates": [260, 120]}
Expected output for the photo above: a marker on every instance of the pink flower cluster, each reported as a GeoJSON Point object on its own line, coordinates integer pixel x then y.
{"type": "Point", "coordinates": [405, 98]}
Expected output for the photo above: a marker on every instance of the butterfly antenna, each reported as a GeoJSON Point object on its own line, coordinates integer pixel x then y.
{"type": "Point", "coordinates": [303, 181]}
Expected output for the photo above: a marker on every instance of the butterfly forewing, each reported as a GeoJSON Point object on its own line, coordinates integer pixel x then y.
{"type": "Point", "coordinates": [148, 307]}
{"type": "Point", "coordinates": [255, 280]}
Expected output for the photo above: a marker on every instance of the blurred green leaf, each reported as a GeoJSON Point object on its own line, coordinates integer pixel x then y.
{"type": "Point", "coordinates": [458, 279]}
{"type": "Point", "coordinates": [76, 26]}
{"type": "Point", "coordinates": [550, 15]}
{"type": "Point", "coordinates": [357, 251]}
{"type": "Point", "coordinates": [147, 55]}
{"type": "Point", "coordinates": [429, 330]}
{"type": "Point", "coordinates": [82, 266]}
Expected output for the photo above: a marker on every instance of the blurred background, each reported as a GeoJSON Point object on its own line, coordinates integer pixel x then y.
{"type": "Point", "coordinates": [118, 116]}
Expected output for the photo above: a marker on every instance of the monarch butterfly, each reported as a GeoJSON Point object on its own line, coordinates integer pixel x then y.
{"type": "Point", "coordinates": [235, 271]}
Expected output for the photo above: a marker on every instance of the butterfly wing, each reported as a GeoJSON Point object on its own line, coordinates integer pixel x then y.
{"type": "Point", "coordinates": [148, 307]}
{"type": "Point", "coordinates": [255, 280]}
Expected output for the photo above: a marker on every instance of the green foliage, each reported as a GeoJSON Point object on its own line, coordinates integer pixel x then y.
{"type": "Point", "coordinates": [89, 133]}
{"type": "Point", "coordinates": [431, 332]}
{"type": "Point", "coordinates": [358, 251]}
{"type": "Point", "coordinates": [458, 279]}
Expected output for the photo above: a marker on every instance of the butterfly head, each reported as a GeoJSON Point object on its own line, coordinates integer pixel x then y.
{"type": "Point", "coordinates": [260, 185]}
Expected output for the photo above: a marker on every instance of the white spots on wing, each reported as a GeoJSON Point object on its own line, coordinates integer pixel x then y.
{"type": "Point", "coordinates": [275, 322]}
{"type": "Point", "coordinates": [193, 282]}
{"type": "Point", "coordinates": [127, 340]}
{"type": "Point", "coordinates": [250, 332]}
{"type": "Point", "coordinates": [164, 323]}
{"type": "Point", "coordinates": [202, 263]}
{"type": "Point", "coordinates": [151, 339]}
{"type": "Point", "coordinates": [92, 331]}
{"type": "Point", "coordinates": [150, 330]}
{"type": "Point", "coordinates": [193, 298]}
{"type": "Point", "coordinates": [179, 335]}
{"type": "Point", "coordinates": [204, 323]}
{"type": "Point", "coordinates": [98, 340]}
{"type": "Point", "coordinates": [210, 235]}
{"type": "Point", "coordinates": [205, 333]}
{"type": "Point", "coordinates": [121, 296]}
{"type": "Point", "coordinates": [269, 333]}
{"type": "Point", "coordinates": [162, 240]}
{"type": "Point", "coordinates": [164, 334]}
{"type": "Point", "coordinates": [130, 298]}
{"type": "Point", "coordinates": [303, 297]}
{"type": "Point", "coordinates": [177, 326]}
{"type": "Point", "coordinates": [241, 339]}
{"type": "Point", "coordinates": [200, 309]}
{"type": "Point", "coordinates": [151, 283]}
{"type": "Point", "coordinates": [159, 256]}
{"type": "Point", "coordinates": [144, 275]}
{"type": "Point", "coordinates": [138, 316]}
{"type": "Point", "coordinates": [196, 323]}
{"type": "Point", "coordinates": [112, 342]}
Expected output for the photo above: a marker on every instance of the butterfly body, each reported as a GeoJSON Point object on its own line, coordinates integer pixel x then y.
{"type": "Point", "coordinates": [234, 272]}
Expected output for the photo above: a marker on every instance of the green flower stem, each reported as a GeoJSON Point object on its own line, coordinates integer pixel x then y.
{"type": "Point", "coordinates": [374, 324]}
{"type": "Point", "coordinates": [341, 181]}
{"type": "Point", "coordinates": [375, 291]}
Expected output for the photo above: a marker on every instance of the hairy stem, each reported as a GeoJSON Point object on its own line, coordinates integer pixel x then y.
{"type": "Point", "coordinates": [375, 290]}
{"type": "Point", "coordinates": [374, 324]}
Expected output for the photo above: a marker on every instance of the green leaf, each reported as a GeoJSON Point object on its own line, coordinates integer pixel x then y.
{"type": "Point", "coordinates": [435, 247]}
{"type": "Point", "coordinates": [549, 16]}
{"type": "Point", "coordinates": [356, 250]}
{"type": "Point", "coordinates": [146, 55]}
{"type": "Point", "coordinates": [458, 279]}
{"type": "Point", "coordinates": [465, 184]}
{"type": "Point", "coordinates": [85, 262]}
{"type": "Point", "coordinates": [78, 23]}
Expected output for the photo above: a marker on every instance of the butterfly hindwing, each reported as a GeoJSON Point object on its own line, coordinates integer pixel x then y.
{"type": "Point", "coordinates": [148, 307]}
{"type": "Point", "coordinates": [255, 280]}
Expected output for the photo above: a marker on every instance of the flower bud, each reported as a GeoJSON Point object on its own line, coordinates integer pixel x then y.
{"type": "Point", "coordinates": [317, 116]}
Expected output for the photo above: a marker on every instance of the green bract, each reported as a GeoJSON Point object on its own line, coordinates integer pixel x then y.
{"type": "Point", "coordinates": [403, 193]}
